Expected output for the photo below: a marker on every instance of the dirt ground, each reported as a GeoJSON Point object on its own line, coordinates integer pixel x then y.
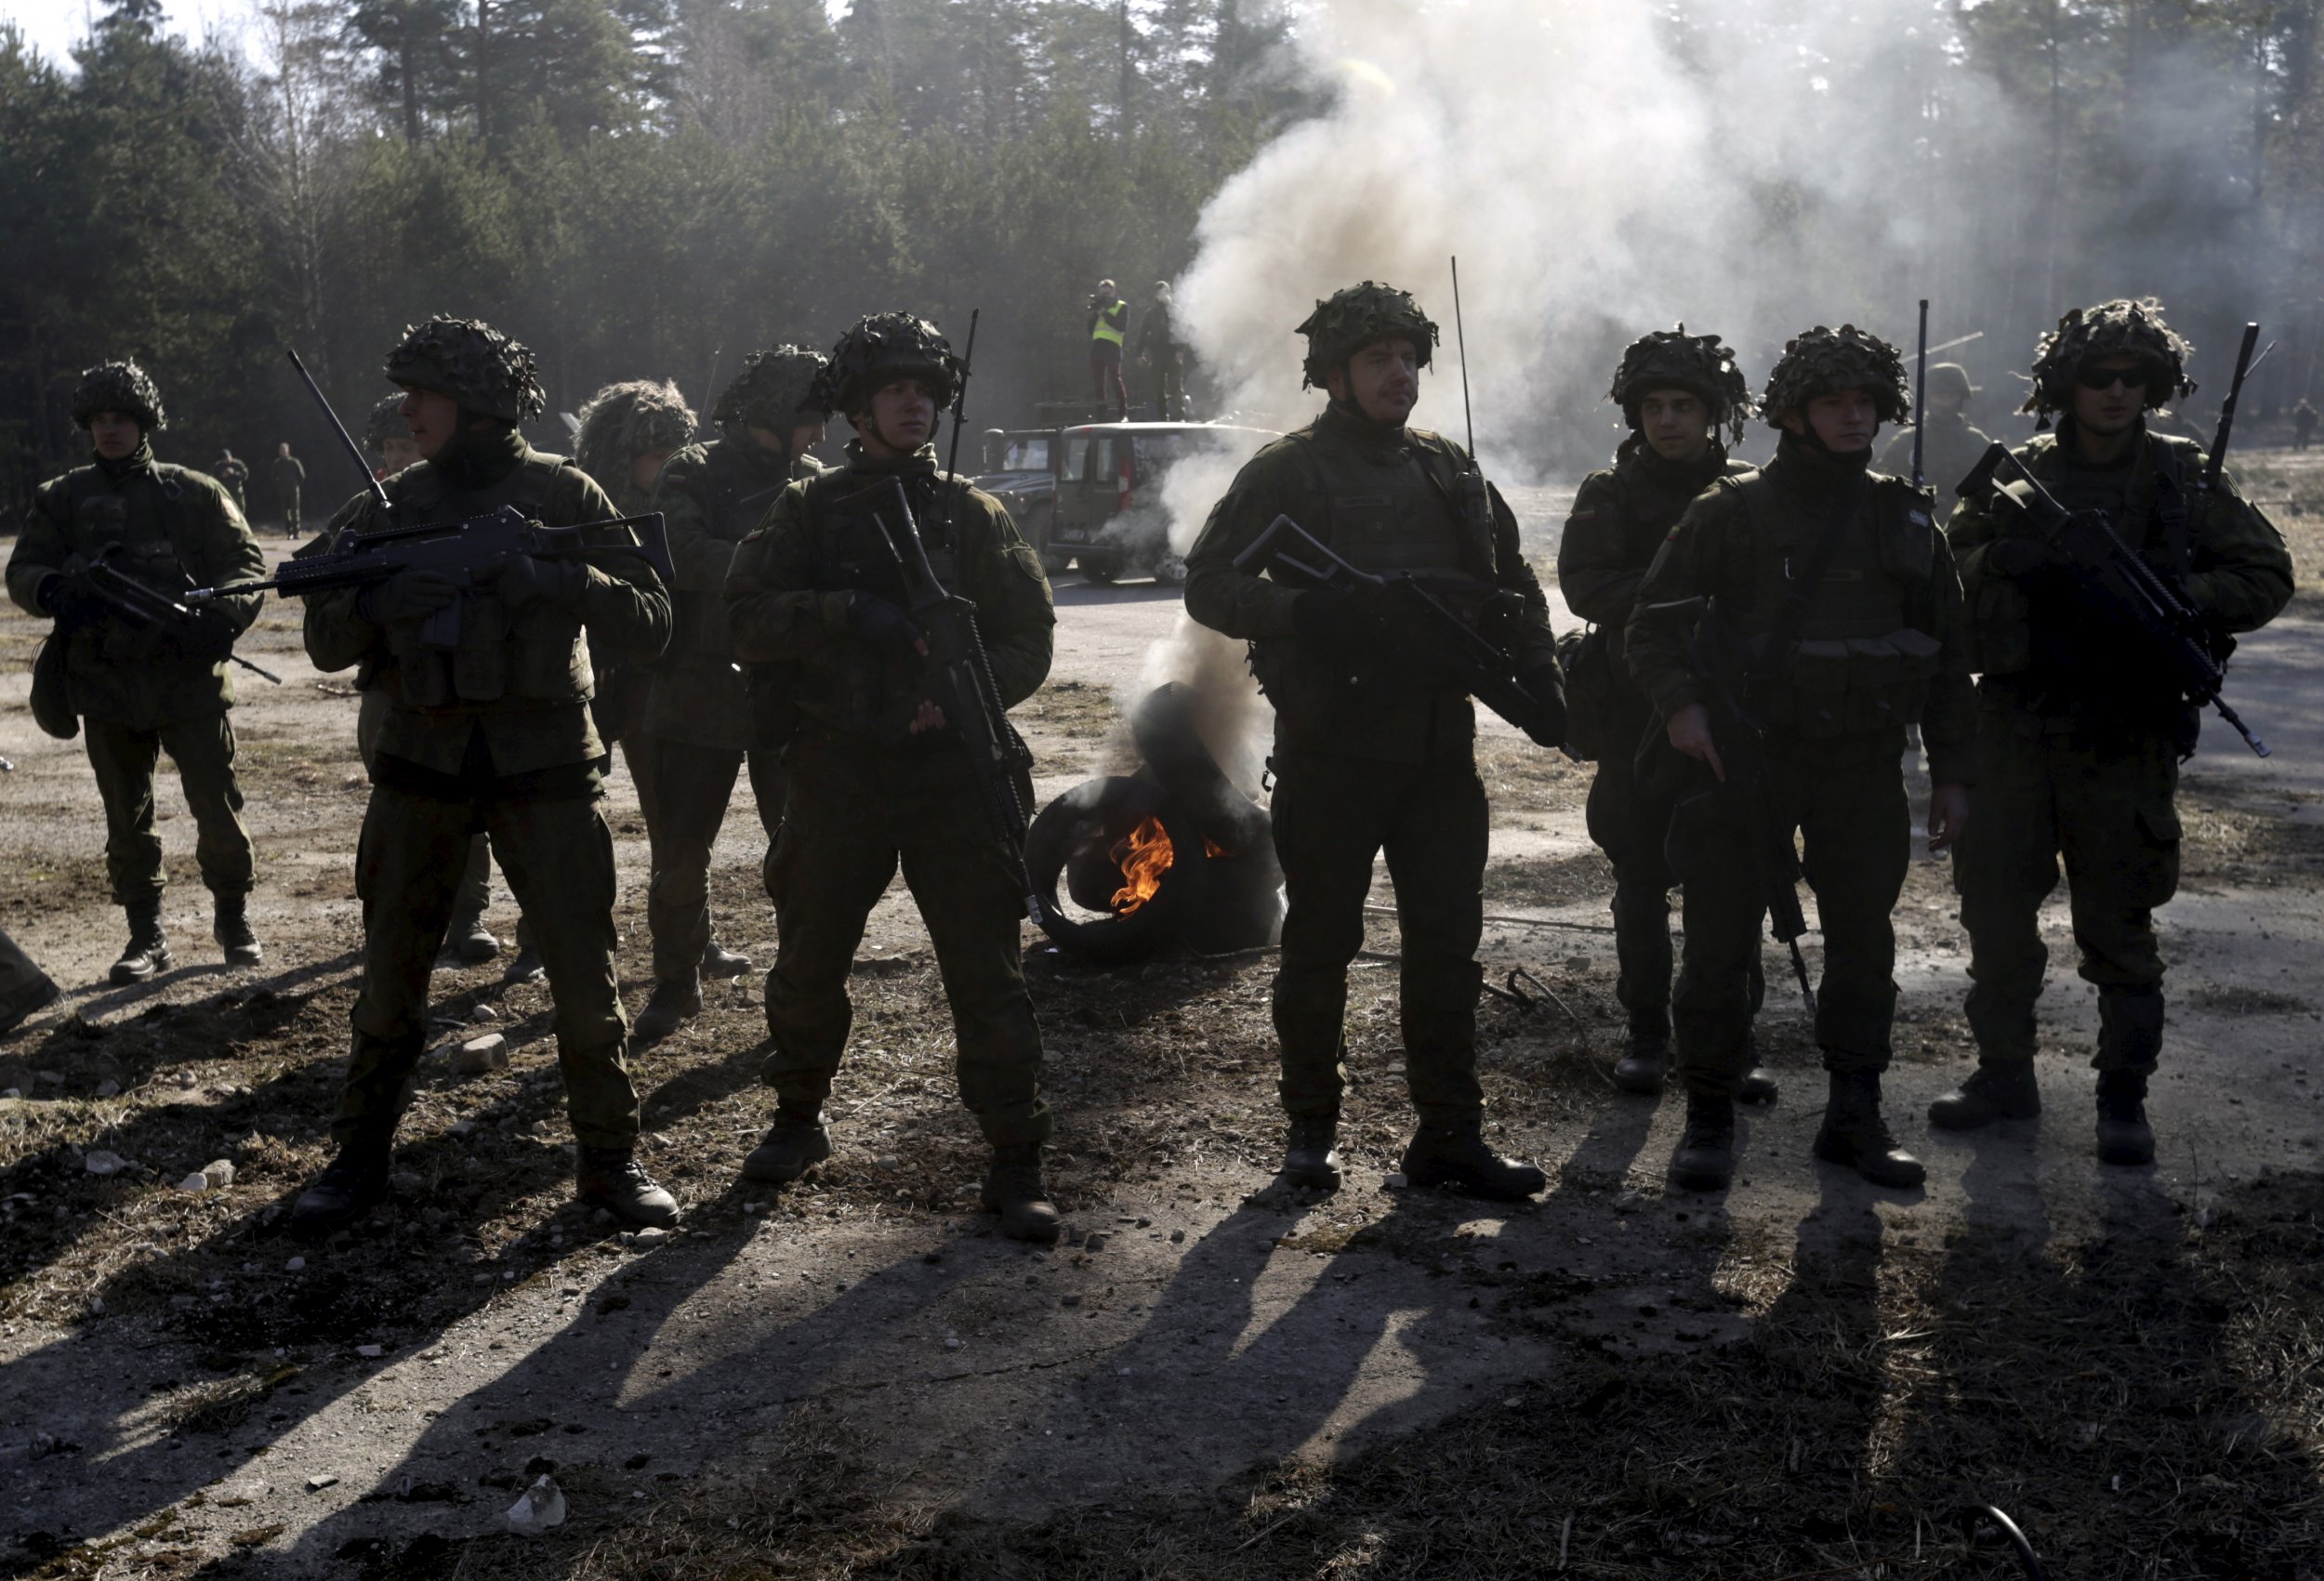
{"type": "Point", "coordinates": [857, 1377]}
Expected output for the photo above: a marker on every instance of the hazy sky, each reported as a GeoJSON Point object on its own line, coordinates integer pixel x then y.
{"type": "Point", "coordinates": [54, 26]}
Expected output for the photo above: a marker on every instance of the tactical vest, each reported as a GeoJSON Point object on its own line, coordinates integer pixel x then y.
{"type": "Point", "coordinates": [139, 521]}
{"type": "Point", "coordinates": [854, 686]}
{"type": "Point", "coordinates": [537, 659]}
{"type": "Point", "coordinates": [1857, 664]}
{"type": "Point", "coordinates": [1390, 516]}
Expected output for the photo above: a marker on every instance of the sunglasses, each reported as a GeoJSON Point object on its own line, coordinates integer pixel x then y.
{"type": "Point", "coordinates": [2106, 378]}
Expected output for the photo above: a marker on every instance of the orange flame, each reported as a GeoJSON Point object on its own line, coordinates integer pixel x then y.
{"type": "Point", "coordinates": [1143, 856]}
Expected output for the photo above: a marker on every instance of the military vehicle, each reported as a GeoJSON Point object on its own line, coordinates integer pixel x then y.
{"type": "Point", "coordinates": [1109, 515]}
{"type": "Point", "coordinates": [1020, 472]}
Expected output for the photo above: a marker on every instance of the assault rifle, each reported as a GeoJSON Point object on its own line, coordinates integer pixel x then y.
{"type": "Point", "coordinates": [1449, 644]}
{"type": "Point", "coordinates": [960, 682]}
{"type": "Point", "coordinates": [1747, 791]}
{"type": "Point", "coordinates": [2171, 630]}
{"type": "Point", "coordinates": [1476, 506]}
{"type": "Point", "coordinates": [144, 606]}
{"type": "Point", "coordinates": [471, 553]}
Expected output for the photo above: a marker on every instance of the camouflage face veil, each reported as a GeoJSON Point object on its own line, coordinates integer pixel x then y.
{"type": "Point", "coordinates": [475, 364]}
{"type": "Point", "coordinates": [1671, 359]}
{"type": "Point", "coordinates": [880, 349]}
{"type": "Point", "coordinates": [119, 386]}
{"type": "Point", "coordinates": [2119, 328]}
{"type": "Point", "coordinates": [624, 421]}
{"type": "Point", "coordinates": [778, 389]}
{"type": "Point", "coordinates": [1347, 320]}
{"type": "Point", "coordinates": [1822, 360]}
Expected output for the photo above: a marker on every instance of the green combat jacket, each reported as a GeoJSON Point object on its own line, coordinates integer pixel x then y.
{"type": "Point", "coordinates": [1953, 447]}
{"type": "Point", "coordinates": [2039, 650]}
{"type": "Point", "coordinates": [1619, 518]}
{"type": "Point", "coordinates": [793, 579]}
{"type": "Point", "coordinates": [177, 529]}
{"type": "Point", "coordinates": [1385, 500]}
{"type": "Point", "coordinates": [519, 688]}
{"type": "Point", "coordinates": [711, 496]}
{"type": "Point", "coordinates": [1883, 644]}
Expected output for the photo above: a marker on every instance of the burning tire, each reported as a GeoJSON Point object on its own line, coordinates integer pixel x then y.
{"type": "Point", "coordinates": [1125, 853]}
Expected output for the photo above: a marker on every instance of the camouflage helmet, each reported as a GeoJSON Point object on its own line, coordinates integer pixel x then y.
{"type": "Point", "coordinates": [1823, 360]}
{"type": "Point", "coordinates": [385, 424]}
{"type": "Point", "coordinates": [2119, 328]}
{"type": "Point", "coordinates": [776, 390]}
{"type": "Point", "coordinates": [624, 421]}
{"type": "Point", "coordinates": [1671, 359]}
{"type": "Point", "coordinates": [1950, 378]}
{"type": "Point", "coordinates": [118, 387]}
{"type": "Point", "coordinates": [1349, 320]}
{"type": "Point", "coordinates": [475, 364]}
{"type": "Point", "coordinates": [880, 348]}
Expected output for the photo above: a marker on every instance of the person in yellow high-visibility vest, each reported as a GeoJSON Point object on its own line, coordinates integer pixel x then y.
{"type": "Point", "coordinates": [1109, 323]}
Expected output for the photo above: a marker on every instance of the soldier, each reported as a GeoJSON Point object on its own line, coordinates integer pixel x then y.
{"type": "Point", "coordinates": [1954, 442]}
{"type": "Point", "coordinates": [1847, 593]}
{"type": "Point", "coordinates": [235, 477]}
{"type": "Point", "coordinates": [1159, 350]}
{"type": "Point", "coordinates": [494, 735]}
{"type": "Point", "coordinates": [2080, 733]}
{"type": "Point", "coordinates": [1676, 390]}
{"type": "Point", "coordinates": [290, 477]}
{"type": "Point", "coordinates": [142, 690]}
{"type": "Point", "coordinates": [626, 432]}
{"type": "Point", "coordinates": [699, 725]}
{"type": "Point", "coordinates": [877, 772]}
{"type": "Point", "coordinates": [2303, 424]}
{"type": "Point", "coordinates": [388, 438]}
{"type": "Point", "coordinates": [1369, 755]}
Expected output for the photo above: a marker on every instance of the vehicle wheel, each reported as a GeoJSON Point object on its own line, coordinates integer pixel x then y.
{"type": "Point", "coordinates": [1170, 571]}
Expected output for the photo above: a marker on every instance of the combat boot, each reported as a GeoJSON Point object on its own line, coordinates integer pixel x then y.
{"type": "Point", "coordinates": [148, 952]}
{"type": "Point", "coordinates": [793, 1145]}
{"type": "Point", "coordinates": [611, 1178]}
{"type": "Point", "coordinates": [1645, 1061]}
{"type": "Point", "coordinates": [1311, 1161]}
{"type": "Point", "coordinates": [675, 1000]}
{"type": "Point", "coordinates": [350, 1186]}
{"type": "Point", "coordinates": [2125, 1137]}
{"type": "Point", "coordinates": [1456, 1155]}
{"type": "Point", "coordinates": [229, 924]}
{"type": "Point", "coordinates": [1704, 1160]}
{"type": "Point", "coordinates": [1996, 1089]}
{"type": "Point", "coordinates": [468, 941]}
{"type": "Point", "coordinates": [1758, 1086]}
{"type": "Point", "coordinates": [1013, 1189]}
{"type": "Point", "coordinates": [526, 966]}
{"type": "Point", "coordinates": [1854, 1134]}
{"type": "Point", "coordinates": [719, 963]}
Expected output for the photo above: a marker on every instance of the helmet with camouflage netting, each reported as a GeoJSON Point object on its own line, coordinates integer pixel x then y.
{"type": "Point", "coordinates": [2119, 328]}
{"type": "Point", "coordinates": [1671, 359]}
{"type": "Point", "coordinates": [778, 389]}
{"type": "Point", "coordinates": [624, 421]}
{"type": "Point", "coordinates": [1349, 320]}
{"type": "Point", "coordinates": [119, 386]}
{"type": "Point", "coordinates": [1822, 360]}
{"type": "Point", "coordinates": [386, 425]}
{"type": "Point", "coordinates": [881, 349]}
{"type": "Point", "coordinates": [475, 364]}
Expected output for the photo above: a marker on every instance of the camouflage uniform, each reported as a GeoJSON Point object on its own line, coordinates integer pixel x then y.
{"type": "Point", "coordinates": [1620, 518]}
{"type": "Point", "coordinates": [697, 726]}
{"type": "Point", "coordinates": [494, 736]}
{"type": "Point", "coordinates": [1881, 645]}
{"type": "Point", "coordinates": [1368, 759]}
{"type": "Point", "coordinates": [1953, 445]}
{"type": "Point", "coordinates": [2079, 739]}
{"type": "Point", "coordinates": [290, 477]}
{"type": "Point", "coordinates": [140, 690]}
{"type": "Point", "coordinates": [235, 477]}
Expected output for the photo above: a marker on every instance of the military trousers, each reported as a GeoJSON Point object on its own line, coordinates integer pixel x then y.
{"type": "Point", "coordinates": [475, 891]}
{"type": "Point", "coordinates": [558, 858]}
{"type": "Point", "coordinates": [1629, 823]}
{"type": "Point", "coordinates": [856, 812]}
{"type": "Point", "coordinates": [1844, 801]}
{"type": "Point", "coordinates": [683, 790]}
{"type": "Point", "coordinates": [2111, 815]}
{"type": "Point", "coordinates": [124, 759]}
{"type": "Point", "coordinates": [1331, 816]}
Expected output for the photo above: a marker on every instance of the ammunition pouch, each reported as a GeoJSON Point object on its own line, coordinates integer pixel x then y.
{"type": "Point", "coordinates": [1587, 662]}
{"type": "Point", "coordinates": [537, 657]}
{"type": "Point", "coordinates": [1838, 686]}
{"type": "Point", "coordinates": [52, 710]}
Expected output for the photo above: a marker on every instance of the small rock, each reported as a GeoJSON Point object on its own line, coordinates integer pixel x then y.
{"type": "Point", "coordinates": [461, 1128]}
{"type": "Point", "coordinates": [1577, 963]}
{"type": "Point", "coordinates": [1069, 1301]}
{"type": "Point", "coordinates": [1177, 1237]}
{"type": "Point", "coordinates": [49, 1078]}
{"type": "Point", "coordinates": [484, 1013]}
{"type": "Point", "coordinates": [888, 1161]}
{"type": "Point", "coordinates": [219, 1172]}
{"type": "Point", "coordinates": [406, 1181]}
{"type": "Point", "coordinates": [373, 1351]}
{"type": "Point", "coordinates": [109, 1088]}
{"type": "Point", "coordinates": [319, 1480]}
{"type": "Point", "coordinates": [480, 1056]}
{"type": "Point", "coordinates": [539, 1507]}
{"type": "Point", "coordinates": [652, 1235]}
{"type": "Point", "coordinates": [11, 1092]}
{"type": "Point", "coordinates": [952, 1344]}
{"type": "Point", "coordinates": [100, 1162]}
{"type": "Point", "coordinates": [1395, 1183]}
{"type": "Point", "coordinates": [295, 1265]}
{"type": "Point", "coordinates": [1096, 1243]}
{"type": "Point", "coordinates": [193, 1184]}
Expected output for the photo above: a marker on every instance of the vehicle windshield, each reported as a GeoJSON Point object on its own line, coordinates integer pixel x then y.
{"type": "Point", "coordinates": [1100, 455]}
{"type": "Point", "coordinates": [1025, 455]}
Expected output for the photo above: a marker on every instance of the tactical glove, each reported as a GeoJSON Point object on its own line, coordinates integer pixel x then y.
{"type": "Point", "coordinates": [408, 595]}
{"type": "Point", "coordinates": [876, 620]}
{"type": "Point", "coordinates": [2024, 559]}
{"type": "Point", "coordinates": [528, 579]}
{"type": "Point", "coordinates": [72, 600]}
{"type": "Point", "coordinates": [1547, 683]}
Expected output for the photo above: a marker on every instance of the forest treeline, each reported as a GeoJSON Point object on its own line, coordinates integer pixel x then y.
{"type": "Point", "coordinates": [655, 187]}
